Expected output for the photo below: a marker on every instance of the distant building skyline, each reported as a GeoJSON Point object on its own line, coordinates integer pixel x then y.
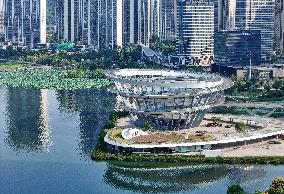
{"type": "Point", "coordinates": [115, 23]}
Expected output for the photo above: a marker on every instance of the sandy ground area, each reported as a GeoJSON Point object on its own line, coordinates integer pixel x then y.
{"type": "Point", "coordinates": [257, 149]}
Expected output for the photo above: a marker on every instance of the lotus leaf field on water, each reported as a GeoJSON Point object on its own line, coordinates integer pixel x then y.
{"type": "Point", "coordinates": [49, 78]}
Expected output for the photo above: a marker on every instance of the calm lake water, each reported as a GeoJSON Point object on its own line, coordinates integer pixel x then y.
{"type": "Point", "coordinates": [45, 141]}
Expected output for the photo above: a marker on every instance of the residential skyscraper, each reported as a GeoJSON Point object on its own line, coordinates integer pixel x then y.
{"type": "Point", "coordinates": [168, 19]}
{"type": "Point", "coordinates": [195, 29]}
{"type": "Point", "coordinates": [141, 21]}
{"type": "Point", "coordinates": [134, 21]}
{"type": "Point", "coordinates": [103, 21]}
{"type": "Point", "coordinates": [25, 21]}
{"type": "Point", "coordinates": [88, 22]}
{"type": "Point", "coordinates": [248, 14]}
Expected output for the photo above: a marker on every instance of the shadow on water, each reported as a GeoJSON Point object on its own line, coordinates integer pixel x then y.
{"type": "Point", "coordinates": [163, 180]}
{"type": "Point", "coordinates": [178, 178]}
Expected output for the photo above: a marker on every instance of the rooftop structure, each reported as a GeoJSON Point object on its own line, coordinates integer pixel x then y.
{"type": "Point", "coordinates": [171, 100]}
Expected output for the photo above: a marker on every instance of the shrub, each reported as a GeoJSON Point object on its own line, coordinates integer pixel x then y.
{"type": "Point", "coordinates": [216, 121]}
{"type": "Point", "coordinates": [241, 127]}
{"type": "Point", "coordinates": [235, 189]}
{"type": "Point", "coordinates": [148, 125]}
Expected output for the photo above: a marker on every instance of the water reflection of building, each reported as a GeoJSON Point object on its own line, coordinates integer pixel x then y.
{"type": "Point", "coordinates": [163, 180]}
{"type": "Point", "coordinates": [93, 107]}
{"type": "Point", "coordinates": [240, 174]}
{"type": "Point", "coordinates": [27, 111]}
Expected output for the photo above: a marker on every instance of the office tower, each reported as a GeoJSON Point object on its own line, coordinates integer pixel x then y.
{"type": "Point", "coordinates": [237, 48]}
{"type": "Point", "coordinates": [248, 14]}
{"type": "Point", "coordinates": [279, 25]}
{"type": "Point", "coordinates": [195, 29]}
{"type": "Point", "coordinates": [25, 21]}
{"type": "Point", "coordinates": [224, 15]}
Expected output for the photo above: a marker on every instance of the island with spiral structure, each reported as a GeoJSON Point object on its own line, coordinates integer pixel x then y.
{"type": "Point", "coordinates": [168, 113]}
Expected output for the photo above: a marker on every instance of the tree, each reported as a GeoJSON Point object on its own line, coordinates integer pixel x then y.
{"type": "Point", "coordinates": [278, 84]}
{"type": "Point", "coordinates": [277, 186]}
{"type": "Point", "coordinates": [235, 189]}
{"type": "Point", "coordinates": [98, 73]}
{"type": "Point", "coordinates": [267, 87]}
{"type": "Point", "coordinates": [165, 46]}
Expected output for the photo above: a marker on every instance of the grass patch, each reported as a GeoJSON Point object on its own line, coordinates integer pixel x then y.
{"type": "Point", "coordinates": [102, 155]}
{"type": "Point", "coordinates": [7, 66]}
{"type": "Point", "coordinates": [157, 137]}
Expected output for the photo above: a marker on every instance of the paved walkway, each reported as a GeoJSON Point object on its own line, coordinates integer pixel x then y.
{"type": "Point", "coordinates": [256, 149]}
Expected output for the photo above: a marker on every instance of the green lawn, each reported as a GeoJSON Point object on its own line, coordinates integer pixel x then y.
{"type": "Point", "coordinates": [10, 66]}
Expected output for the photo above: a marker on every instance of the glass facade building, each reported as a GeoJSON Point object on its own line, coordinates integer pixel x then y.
{"type": "Point", "coordinates": [195, 28]}
{"type": "Point", "coordinates": [237, 48]}
{"type": "Point", "coordinates": [248, 15]}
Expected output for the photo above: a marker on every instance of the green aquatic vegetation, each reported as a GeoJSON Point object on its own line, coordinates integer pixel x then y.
{"type": "Point", "coordinates": [49, 78]}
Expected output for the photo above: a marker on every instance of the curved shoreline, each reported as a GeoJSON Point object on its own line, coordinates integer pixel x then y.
{"type": "Point", "coordinates": [101, 154]}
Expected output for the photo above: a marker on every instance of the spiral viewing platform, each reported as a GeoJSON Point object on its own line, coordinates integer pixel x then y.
{"type": "Point", "coordinates": [171, 100]}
